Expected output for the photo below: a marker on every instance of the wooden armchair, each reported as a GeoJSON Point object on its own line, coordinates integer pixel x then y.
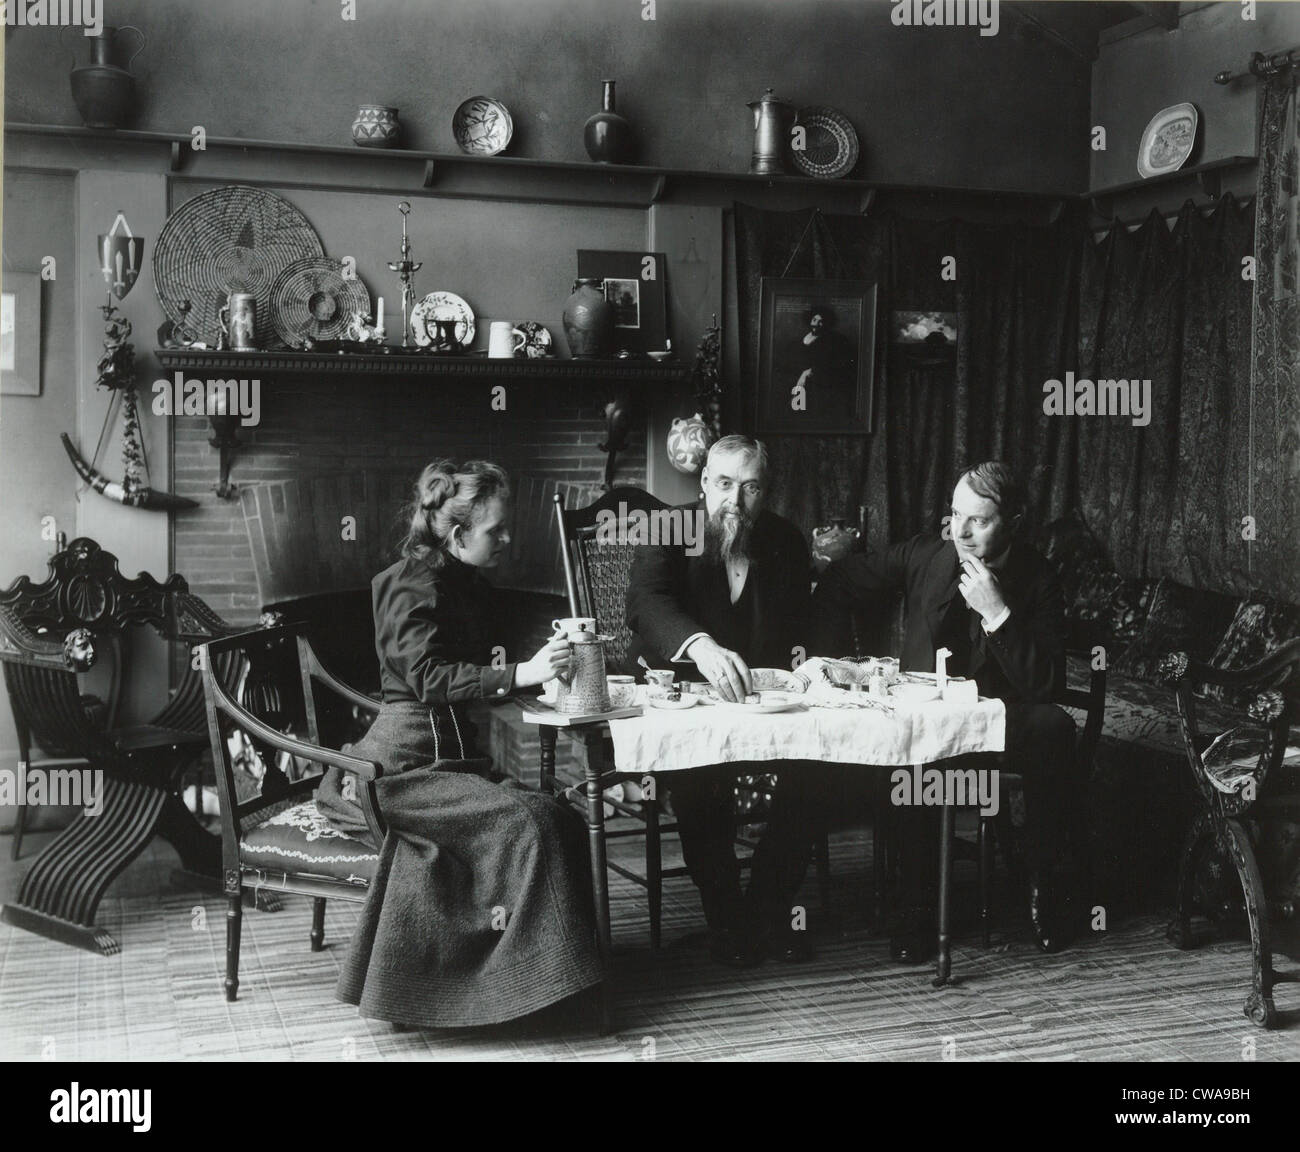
{"type": "Point", "coordinates": [49, 633]}
{"type": "Point", "coordinates": [276, 838]}
{"type": "Point", "coordinates": [1244, 779]}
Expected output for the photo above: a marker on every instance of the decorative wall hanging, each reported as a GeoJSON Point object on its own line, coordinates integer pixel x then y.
{"type": "Point", "coordinates": [816, 349]}
{"type": "Point", "coordinates": [925, 339]}
{"type": "Point", "coordinates": [311, 299]}
{"type": "Point", "coordinates": [20, 334]}
{"type": "Point", "coordinates": [830, 145]}
{"type": "Point", "coordinates": [482, 126]}
{"type": "Point", "coordinates": [231, 239]}
{"type": "Point", "coordinates": [1168, 140]}
{"type": "Point", "coordinates": [121, 255]}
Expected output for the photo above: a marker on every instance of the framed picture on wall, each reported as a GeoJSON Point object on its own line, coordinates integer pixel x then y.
{"type": "Point", "coordinates": [20, 334]}
{"type": "Point", "coordinates": [816, 356]}
{"type": "Point", "coordinates": [634, 284]}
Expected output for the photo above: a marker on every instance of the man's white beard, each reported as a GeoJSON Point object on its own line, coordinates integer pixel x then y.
{"type": "Point", "coordinates": [727, 538]}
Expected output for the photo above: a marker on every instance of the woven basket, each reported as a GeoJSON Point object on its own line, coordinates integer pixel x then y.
{"type": "Point", "coordinates": [312, 298]}
{"type": "Point", "coordinates": [231, 239]}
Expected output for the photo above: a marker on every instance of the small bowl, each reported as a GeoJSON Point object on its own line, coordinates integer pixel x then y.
{"type": "Point", "coordinates": [482, 126]}
{"type": "Point", "coordinates": [664, 355]}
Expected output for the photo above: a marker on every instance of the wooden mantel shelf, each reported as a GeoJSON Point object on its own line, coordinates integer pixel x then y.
{"type": "Point", "coordinates": [626, 380]}
{"type": "Point", "coordinates": [397, 363]}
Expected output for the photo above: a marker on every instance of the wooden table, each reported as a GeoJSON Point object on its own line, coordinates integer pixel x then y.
{"type": "Point", "coordinates": [659, 742]}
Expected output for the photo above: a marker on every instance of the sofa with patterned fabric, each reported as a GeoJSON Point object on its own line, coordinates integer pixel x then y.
{"type": "Point", "coordinates": [1141, 792]}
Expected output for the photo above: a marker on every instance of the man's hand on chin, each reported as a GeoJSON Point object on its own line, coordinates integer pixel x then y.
{"type": "Point", "coordinates": [722, 668]}
{"type": "Point", "coordinates": [979, 587]}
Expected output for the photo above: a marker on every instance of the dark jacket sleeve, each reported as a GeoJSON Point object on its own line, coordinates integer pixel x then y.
{"type": "Point", "coordinates": [422, 635]}
{"type": "Point", "coordinates": [847, 583]}
{"type": "Point", "coordinates": [656, 593]}
{"type": "Point", "coordinates": [1030, 645]}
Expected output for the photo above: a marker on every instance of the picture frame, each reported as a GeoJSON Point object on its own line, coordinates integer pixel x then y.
{"type": "Point", "coordinates": [20, 334]}
{"type": "Point", "coordinates": [635, 284]}
{"type": "Point", "coordinates": [816, 356]}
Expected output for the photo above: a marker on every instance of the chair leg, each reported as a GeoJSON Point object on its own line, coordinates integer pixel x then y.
{"type": "Point", "coordinates": [1259, 1007]}
{"type": "Point", "coordinates": [986, 872]}
{"type": "Point", "coordinates": [317, 923]}
{"type": "Point", "coordinates": [879, 854]}
{"type": "Point", "coordinates": [234, 922]}
{"type": "Point", "coordinates": [654, 872]}
{"type": "Point", "coordinates": [1179, 932]}
{"type": "Point", "coordinates": [20, 821]}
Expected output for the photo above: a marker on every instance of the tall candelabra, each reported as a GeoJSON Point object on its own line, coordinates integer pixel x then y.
{"type": "Point", "coordinates": [406, 268]}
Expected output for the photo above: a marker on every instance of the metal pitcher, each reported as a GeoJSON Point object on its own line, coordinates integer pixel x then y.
{"type": "Point", "coordinates": [583, 689]}
{"type": "Point", "coordinates": [773, 120]}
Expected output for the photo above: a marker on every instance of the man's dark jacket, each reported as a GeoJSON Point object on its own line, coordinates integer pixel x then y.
{"type": "Point", "coordinates": [672, 595]}
{"type": "Point", "coordinates": [1023, 661]}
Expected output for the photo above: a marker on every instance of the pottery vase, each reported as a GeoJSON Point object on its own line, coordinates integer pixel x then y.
{"type": "Point", "coordinates": [588, 320]}
{"type": "Point", "coordinates": [688, 443]}
{"type": "Point", "coordinates": [104, 89]}
{"type": "Point", "coordinates": [376, 126]}
{"type": "Point", "coordinates": [607, 135]}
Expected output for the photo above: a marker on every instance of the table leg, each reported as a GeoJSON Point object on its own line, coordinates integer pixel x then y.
{"type": "Point", "coordinates": [947, 826]}
{"type": "Point", "coordinates": [547, 737]}
{"type": "Point", "coordinates": [599, 873]}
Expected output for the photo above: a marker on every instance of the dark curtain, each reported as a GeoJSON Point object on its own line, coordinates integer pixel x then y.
{"type": "Point", "coordinates": [1171, 306]}
{"type": "Point", "coordinates": [1014, 295]}
{"type": "Point", "coordinates": [1274, 405]}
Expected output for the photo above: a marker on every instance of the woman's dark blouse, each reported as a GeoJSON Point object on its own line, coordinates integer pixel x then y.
{"type": "Point", "coordinates": [435, 631]}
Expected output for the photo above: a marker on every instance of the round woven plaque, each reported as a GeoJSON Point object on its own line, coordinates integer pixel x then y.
{"type": "Point", "coordinates": [830, 144]}
{"type": "Point", "coordinates": [311, 298]}
{"type": "Point", "coordinates": [232, 239]}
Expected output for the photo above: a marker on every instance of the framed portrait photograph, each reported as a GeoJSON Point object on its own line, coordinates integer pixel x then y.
{"type": "Point", "coordinates": [634, 284]}
{"type": "Point", "coordinates": [20, 334]}
{"type": "Point", "coordinates": [816, 356]}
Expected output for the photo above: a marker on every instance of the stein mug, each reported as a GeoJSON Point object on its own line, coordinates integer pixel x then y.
{"type": "Point", "coordinates": [239, 321]}
{"type": "Point", "coordinates": [505, 341]}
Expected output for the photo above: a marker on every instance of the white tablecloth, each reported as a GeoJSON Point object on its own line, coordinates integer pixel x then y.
{"type": "Point", "coordinates": [663, 741]}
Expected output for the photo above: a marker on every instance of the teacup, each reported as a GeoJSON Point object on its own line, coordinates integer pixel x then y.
{"type": "Point", "coordinates": [567, 625]}
{"type": "Point", "coordinates": [661, 678]}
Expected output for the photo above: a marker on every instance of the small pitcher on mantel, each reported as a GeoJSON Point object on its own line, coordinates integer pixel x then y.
{"type": "Point", "coordinates": [773, 120]}
{"type": "Point", "coordinates": [103, 90]}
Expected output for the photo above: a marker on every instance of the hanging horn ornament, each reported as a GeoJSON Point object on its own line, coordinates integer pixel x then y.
{"type": "Point", "coordinates": [138, 498]}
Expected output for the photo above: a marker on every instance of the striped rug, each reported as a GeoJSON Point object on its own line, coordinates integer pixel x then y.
{"type": "Point", "coordinates": [1122, 994]}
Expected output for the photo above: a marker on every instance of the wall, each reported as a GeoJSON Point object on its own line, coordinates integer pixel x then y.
{"type": "Point", "coordinates": [931, 105]}
{"type": "Point", "coordinates": [1136, 77]}
{"type": "Point", "coordinates": [36, 479]}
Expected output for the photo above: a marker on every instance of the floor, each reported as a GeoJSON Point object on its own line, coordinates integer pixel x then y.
{"type": "Point", "coordinates": [1120, 994]}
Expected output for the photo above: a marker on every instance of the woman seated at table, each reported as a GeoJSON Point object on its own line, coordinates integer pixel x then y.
{"type": "Point", "coordinates": [481, 907]}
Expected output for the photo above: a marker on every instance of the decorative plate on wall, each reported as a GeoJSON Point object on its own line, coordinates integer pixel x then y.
{"type": "Point", "coordinates": [442, 306]}
{"type": "Point", "coordinates": [1168, 140]}
{"type": "Point", "coordinates": [312, 298]}
{"type": "Point", "coordinates": [830, 144]}
{"type": "Point", "coordinates": [231, 239]}
{"type": "Point", "coordinates": [482, 126]}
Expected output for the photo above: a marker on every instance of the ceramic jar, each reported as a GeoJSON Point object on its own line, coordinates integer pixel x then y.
{"type": "Point", "coordinates": [688, 443]}
{"type": "Point", "coordinates": [607, 136]}
{"type": "Point", "coordinates": [376, 126]}
{"type": "Point", "coordinates": [589, 320]}
{"type": "Point", "coordinates": [104, 89]}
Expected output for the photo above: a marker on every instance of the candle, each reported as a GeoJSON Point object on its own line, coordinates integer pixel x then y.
{"type": "Point", "coordinates": [941, 669]}
{"type": "Point", "coordinates": [379, 315]}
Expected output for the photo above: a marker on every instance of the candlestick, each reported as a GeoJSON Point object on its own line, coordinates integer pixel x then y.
{"type": "Point", "coordinates": [406, 269]}
{"type": "Point", "coordinates": [379, 314]}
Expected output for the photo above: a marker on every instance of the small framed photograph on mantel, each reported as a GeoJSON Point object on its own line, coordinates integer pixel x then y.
{"type": "Point", "coordinates": [816, 356]}
{"type": "Point", "coordinates": [634, 284]}
{"type": "Point", "coordinates": [20, 334]}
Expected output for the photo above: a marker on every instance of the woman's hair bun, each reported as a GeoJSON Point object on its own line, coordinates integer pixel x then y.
{"type": "Point", "coordinates": [437, 484]}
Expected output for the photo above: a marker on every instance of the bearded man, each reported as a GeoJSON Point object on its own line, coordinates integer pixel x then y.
{"type": "Point", "coordinates": [741, 603]}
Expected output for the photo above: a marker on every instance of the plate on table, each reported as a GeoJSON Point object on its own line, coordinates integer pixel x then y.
{"type": "Point", "coordinates": [768, 702]}
{"type": "Point", "coordinates": [1168, 140]}
{"type": "Point", "coordinates": [830, 144]}
{"type": "Point", "coordinates": [913, 693]}
{"type": "Point", "coordinates": [686, 701]}
{"type": "Point", "coordinates": [442, 306]}
{"type": "Point", "coordinates": [482, 126]}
